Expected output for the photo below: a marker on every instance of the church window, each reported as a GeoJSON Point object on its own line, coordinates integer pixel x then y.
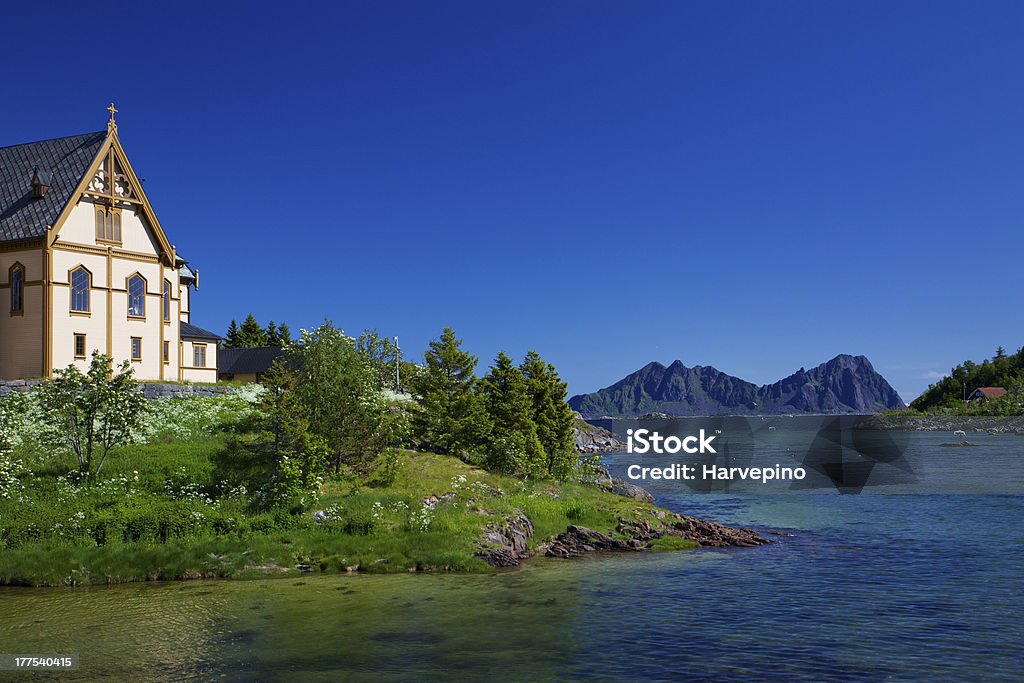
{"type": "Point", "coordinates": [17, 288]}
{"type": "Point", "coordinates": [79, 345]}
{"type": "Point", "coordinates": [167, 301]}
{"type": "Point", "coordinates": [81, 281]}
{"type": "Point", "coordinates": [136, 297]}
{"type": "Point", "coordinates": [136, 348]}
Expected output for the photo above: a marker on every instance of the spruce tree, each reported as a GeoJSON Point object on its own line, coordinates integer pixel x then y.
{"type": "Point", "coordinates": [272, 335]}
{"type": "Point", "coordinates": [231, 338]}
{"type": "Point", "coordinates": [450, 417]}
{"type": "Point", "coordinates": [284, 334]}
{"type": "Point", "coordinates": [250, 334]}
{"type": "Point", "coordinates": [510, 409]}
{"type": "Point", "coordinates": [552, 415]}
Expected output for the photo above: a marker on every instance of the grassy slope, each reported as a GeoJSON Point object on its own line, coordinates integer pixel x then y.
{"type": "Point", "coordinates": [150, 535]}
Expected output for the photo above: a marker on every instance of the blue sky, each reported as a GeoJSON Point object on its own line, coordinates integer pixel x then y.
{"type": "Point", "coordinates": [757, 186]}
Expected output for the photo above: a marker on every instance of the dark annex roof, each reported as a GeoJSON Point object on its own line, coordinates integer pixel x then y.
{"type": "Point", "coordinates": [192, 332]}
{"type": "Point", "coordinates": [255, 360]}
{"type": "Point", "coordinates": [66, 160]}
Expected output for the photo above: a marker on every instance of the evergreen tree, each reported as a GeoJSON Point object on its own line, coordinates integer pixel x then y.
{"type": "Point", "coordinates": [552, 415]}
{"type": "Point", "coordinates": [510, 409]}
{"type": "Point", "coordinates": [250, 334]}
{"type": "Point", "coordinates": [284, 334]}
{"type": "Point", "coordinates": [272, 335]}
{"type": "Point", "coordinates": [231, 338]}
{"type": "Point", "coordinates": [450, 417]}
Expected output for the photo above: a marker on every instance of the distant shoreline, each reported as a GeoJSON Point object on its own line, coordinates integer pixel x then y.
{"type": "Point", "coordinates": [873, 421]}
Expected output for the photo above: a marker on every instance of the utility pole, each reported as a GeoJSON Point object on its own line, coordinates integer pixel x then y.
{"type": "Point", "coordinates": [398, 367]}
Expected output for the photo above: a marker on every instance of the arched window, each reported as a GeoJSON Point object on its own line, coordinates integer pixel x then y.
{"type": "Point", "coordinates": [17, 288]}
{"type": "Point", "coordinates": [81, 281]}
{"type": "Point", "coordinates": [136, 296]}
{"type": "Point", "coordinates": [167, 301]}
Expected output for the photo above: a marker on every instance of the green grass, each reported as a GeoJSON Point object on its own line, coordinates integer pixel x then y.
{"type": "Point", "coordinates": [162, 514]}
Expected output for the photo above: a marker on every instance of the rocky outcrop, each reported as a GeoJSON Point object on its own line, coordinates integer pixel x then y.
{"type": "Point", "coordinates": [638, 536]}
{"type": "Point", "coordinates": [624, 488]}
{"type": "Point", "coordinates": [593, 439]}
{"type": "Point", "coordinates": [845, 384]}
{"type": "Point", "coordinates": [713, 534]}
{"type": "Point", "coordinates": [945, 423]}
{"type": "Point", "coordinates": [578, 540]}
{"type": "Point", "coordinates": [506, 544]}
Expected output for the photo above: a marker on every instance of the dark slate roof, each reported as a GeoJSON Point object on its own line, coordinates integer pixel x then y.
{"type": "Point", "coordinates": [246, 361]}
{"type": "Point", "coordinates": [192, 332]}
{"type": "Point", "coordinates": [65, 159]}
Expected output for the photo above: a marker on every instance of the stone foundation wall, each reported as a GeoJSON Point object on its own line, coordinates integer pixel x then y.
{"type": "Point", "coordinates": [150, 389]}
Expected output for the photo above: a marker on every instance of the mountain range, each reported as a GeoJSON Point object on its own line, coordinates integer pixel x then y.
{"type": "Point", "coordinates": [845, 384]}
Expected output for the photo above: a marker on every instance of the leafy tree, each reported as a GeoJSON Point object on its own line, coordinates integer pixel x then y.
{"type": "Point", "coordinates": [552, 415]}
{"type": "Point", "coordinates": [380, 354]}
{"type": "Point", "coordinates": [231, 338]}
{"type": "Point", "coordinates": [337, 386]}
{"type": "Point", "coordinates": [92, 412]}
{"type": "Point", "coordinates": [250, 334]}
{"type": "Point", "coordinates": [510, 409]}
{"type": "Point", "coordinates": [450, 417]}
{"type": "Point", "coordinates": [296, 456]}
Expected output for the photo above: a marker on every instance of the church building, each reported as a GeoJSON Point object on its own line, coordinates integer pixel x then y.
{"type": "Point", "coordinates": [85, 265]}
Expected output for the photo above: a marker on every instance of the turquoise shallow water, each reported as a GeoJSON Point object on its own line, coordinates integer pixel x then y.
{"type": "Point", "coordinates": [893, 584]}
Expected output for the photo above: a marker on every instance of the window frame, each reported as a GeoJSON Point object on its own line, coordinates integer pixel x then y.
{"type": "Point", "coordinates": [167, 352]}
{"type": "Point", "coordinates": [108, 224]}
{"type": "Point", "coordinates": [87, 311]}
{"type": "Point", "coordinates": [136, 359]}
{"type": "Point", "coordinates": [16, 273]}
{"type": "Point", "coordinates": [196, 348]}
{"type": "Point", "coordinates": [74, 345]}
{"type": "Point", "coordinates": [167, 302]}
{"type": "Point", "coordinates": [128, 290]}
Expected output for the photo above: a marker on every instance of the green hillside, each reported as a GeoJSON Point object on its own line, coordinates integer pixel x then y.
{"type": "Point", "coordinates": [1001, 370]}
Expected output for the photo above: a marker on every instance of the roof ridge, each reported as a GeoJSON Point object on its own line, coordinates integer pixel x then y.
{"type": "Point", "coordinates": [62, 137]}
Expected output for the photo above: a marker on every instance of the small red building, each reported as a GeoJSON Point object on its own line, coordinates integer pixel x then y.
{"type": "Point", "coordinates": [982, 393]}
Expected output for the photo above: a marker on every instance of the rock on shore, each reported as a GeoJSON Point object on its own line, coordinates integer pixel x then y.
{"type": "Point", "coordinates": [506, 544]}
{"type": "Point", "coordinates": [579, 540]}
{"type": "Point", "coordinates": [593, 439]}
{"type": "Point", "coordinates": [945, 423]}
